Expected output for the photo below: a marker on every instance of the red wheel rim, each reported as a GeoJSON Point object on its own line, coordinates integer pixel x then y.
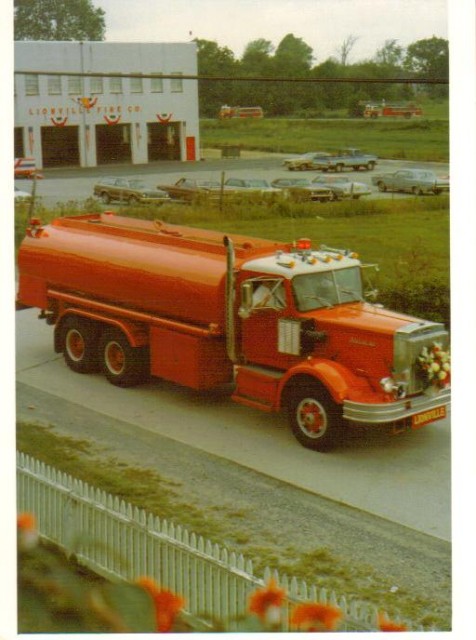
{"type": "Point", "coordinates": [115, 359]}
{"type": "Point", "coordinates": [311, 418]}
{"type": "Point", "coordinates": [75, 345]}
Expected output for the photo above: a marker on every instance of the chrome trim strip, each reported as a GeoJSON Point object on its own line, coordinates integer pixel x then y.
{"type": "Point", "coordinates": [394, 411]}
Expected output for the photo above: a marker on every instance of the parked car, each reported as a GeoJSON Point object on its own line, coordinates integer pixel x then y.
{"type": "Point", "coordinates": [342, 186]}
{"type": "Point", "coordinates": [417, 181]}
{"type": "Point", "coordinates": [250, 184]}
{"type": "Point", "coordinates": [311, 160]}
{"type": "Point", "coordinates": [25, 168]}
{"type": "Point", "coordinates": [127, 190]}
{"type": "Point", "coordinates": [188, 189]}
{"type": "Point", "coordinates": [351, 158]}
{"type": "Point", "coordinates": [303, 187]}
{"type": "Point", "coordinates": [21, 196]}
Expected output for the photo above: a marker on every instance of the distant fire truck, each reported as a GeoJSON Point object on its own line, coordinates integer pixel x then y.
{"type": "Point", "coordinates": [240, 112]}
{"type": "Point", "coordinates": [391, 110]}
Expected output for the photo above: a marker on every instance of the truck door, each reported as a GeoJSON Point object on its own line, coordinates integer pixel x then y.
{"type": "Point", "coordinates": [266, 303]}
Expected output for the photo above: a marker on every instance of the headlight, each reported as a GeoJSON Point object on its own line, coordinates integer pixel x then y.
{"type": "Point", "coordinates": [397, 389]}
{"type": "Point", "coordinates": [387, 384]}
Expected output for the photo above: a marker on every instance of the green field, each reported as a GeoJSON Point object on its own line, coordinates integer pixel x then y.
{"type": "Point", "coordinates": [408, 238]}
{"type": "Point", "coordinates": [423, 139]}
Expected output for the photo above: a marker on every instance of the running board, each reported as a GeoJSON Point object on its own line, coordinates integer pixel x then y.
{"type": "Point", "coordinates": [257, 387]}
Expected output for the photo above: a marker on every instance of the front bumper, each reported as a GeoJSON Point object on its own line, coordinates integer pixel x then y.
{"type": "Point", "coordinates": [396, 411]}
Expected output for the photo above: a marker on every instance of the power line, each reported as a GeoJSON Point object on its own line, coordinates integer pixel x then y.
{"type": "Point", "coordinates": [176, 76]}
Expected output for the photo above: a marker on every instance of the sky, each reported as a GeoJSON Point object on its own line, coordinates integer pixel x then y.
{"type": "Point", "coordinates": [322, 24]}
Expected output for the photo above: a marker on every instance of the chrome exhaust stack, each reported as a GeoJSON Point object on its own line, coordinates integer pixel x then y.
{"type": "Point", "coordinates": [230, 299]}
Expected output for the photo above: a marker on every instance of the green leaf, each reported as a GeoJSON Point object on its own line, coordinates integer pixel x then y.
{"type": "Point", "coordinates": [130, 605]}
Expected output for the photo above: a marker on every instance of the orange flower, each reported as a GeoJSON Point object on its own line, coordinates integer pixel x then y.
{"type": "Point", "coordinates": [384, 624]}
{"type": "Point", "coordinates": [26, 521]}
{"type": "Point", "coordinates": [266, 603]}
{"type": "Point", "coordinates": [26, 531]}
{"type": "Point", "coordinates": [167, 604]}
{"type": "Point", "coordinates": [315, 617]}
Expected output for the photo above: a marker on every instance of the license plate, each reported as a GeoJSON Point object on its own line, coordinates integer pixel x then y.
{"type": "Point", "coordinates": [425, 417]}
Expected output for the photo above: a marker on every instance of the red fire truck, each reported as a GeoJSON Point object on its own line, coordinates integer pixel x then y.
{"type": "Point", "coordinates": [286, 325]}
{"type": "Point", "coordinates": [240, 112]}
{"type": "Point", "coordinates": [392, 111]}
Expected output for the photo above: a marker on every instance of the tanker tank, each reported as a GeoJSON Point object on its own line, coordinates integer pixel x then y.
{"type": "Point", "coordinates": [167, 270]}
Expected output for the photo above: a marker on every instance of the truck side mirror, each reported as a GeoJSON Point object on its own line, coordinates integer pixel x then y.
{"type": "Point", "coordinates": [371, 294]}
{"type": "Point", "coordinates": [246, 300]}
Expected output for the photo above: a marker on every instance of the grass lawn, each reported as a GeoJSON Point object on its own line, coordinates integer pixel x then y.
{"type": "Point", "coordinates": [410, 234]}
{"type": "Point", "coordinates": [148, 490]}
{"type": "Point", "coordinates": [419, 139]}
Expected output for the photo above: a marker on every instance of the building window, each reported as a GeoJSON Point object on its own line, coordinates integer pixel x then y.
{"type": "Point", "coordinates": [32, 87]}
{"type": "Point", "coordinates": [54, 85]}
{"type": "Point", "coordinates": [176, 84]}
{"type": "Point", "coordinates": [115, 85]}
{"type": "Point", "coordinates": [96, 84]}
{"type": "Point", "coordinates": [157, 84]}
{"type": "Point", "coordinates": [75, 85]}
{"type": "Point", "coordinates": [136, 85]}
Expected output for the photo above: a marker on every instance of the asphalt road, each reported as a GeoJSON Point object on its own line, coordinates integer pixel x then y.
{"type": "Point", "coordinates": [63, 185]}
{"type": "Point", "coordinates": [404, 479]}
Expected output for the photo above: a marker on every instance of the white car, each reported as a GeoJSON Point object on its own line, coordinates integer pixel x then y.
{"type": "Point", "coordinates": [251, 184]}
{"type": "Point", "coordinates": [306, 161]}
{"type": "Point", "coordinates": [342, 186]}
{"type": "Point", "coordinates": [21, 196]}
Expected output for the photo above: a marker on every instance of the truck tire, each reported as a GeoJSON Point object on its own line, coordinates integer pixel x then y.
{"type": "Point", "coordinates": [105, 197]}
{"type": "Point", "coordinates": [123, 365]}
{"type": "Point", "coordinates": [339, 168]}
{"type": "Point", "coordinates": [315, 419]}
{"type": "Point", "coordinates": [381, 186]}
{"type": "Point", "coordinates": [79, 337]}
{"type": "Point", "coordinates": [370, 165]}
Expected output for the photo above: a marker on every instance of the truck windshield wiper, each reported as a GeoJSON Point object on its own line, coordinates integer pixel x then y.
{"type": "Point", "coordinates": [324, 301]}
{"type": "Point", "coordinates": [350, 292]}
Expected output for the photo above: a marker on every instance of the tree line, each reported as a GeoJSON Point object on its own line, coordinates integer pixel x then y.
{"type": "Point", "coordinates": [292, 59]}
{"type": "Point", "coordinates": [424, 59]}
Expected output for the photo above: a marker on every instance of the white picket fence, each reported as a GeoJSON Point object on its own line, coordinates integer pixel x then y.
{"type": "Point", "coordinates": [122, 542]}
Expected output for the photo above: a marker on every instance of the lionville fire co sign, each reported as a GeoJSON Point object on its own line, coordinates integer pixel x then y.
{"type": "Point", "coordinates": [66, 112]}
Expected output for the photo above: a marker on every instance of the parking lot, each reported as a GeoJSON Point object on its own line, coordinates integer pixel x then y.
{"type": "Point", "coordinates": [76, 184]}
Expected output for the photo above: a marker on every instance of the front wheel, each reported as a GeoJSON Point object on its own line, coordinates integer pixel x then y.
{"type": "Point", "coordinates": [123, 365]}
{"type": "Point", "coordinates": [381, 186]}
{"type": "Point", "coordinates": [315, 419]}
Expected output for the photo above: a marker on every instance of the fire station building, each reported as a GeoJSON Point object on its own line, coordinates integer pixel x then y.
{"type": "Point", "coordinates": [85, 121]}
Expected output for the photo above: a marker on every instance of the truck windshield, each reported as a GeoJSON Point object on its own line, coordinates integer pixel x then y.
{"type": "Point", "coordinates": [326, 289]}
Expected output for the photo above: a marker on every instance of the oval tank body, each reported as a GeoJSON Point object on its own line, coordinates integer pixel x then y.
{"type": "Point", "coordinates": [168, 270]}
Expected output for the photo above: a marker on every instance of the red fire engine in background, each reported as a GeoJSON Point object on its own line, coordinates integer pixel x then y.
{"type": "Point", "coordinates": [392, 111]}
{"type": "Point", "coordinates": [285, 325]}
{"type": "Point", "coordinates": [240, 112]}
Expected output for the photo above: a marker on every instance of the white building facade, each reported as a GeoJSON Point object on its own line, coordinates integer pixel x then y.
{"type": "Point", "coordinates": [86, 121]}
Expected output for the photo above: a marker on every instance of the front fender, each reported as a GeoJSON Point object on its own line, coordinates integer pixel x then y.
{"type": "Point", "coordinates": [337, 379]}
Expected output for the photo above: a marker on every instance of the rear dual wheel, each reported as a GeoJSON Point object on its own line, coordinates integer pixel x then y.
{"type": "Point", "coordinates": [87, 350]}
{"type": "Point", "coordinates": [123, 365]}
{"type": "Point", "coordinates": [80, 339]}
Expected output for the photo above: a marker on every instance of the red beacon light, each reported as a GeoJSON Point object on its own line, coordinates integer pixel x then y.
{"type": "Point", "coordinates": [304, 244]}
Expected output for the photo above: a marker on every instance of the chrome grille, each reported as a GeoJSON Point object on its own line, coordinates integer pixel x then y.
{"type": "Point", "coordinates": [408, 344]}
